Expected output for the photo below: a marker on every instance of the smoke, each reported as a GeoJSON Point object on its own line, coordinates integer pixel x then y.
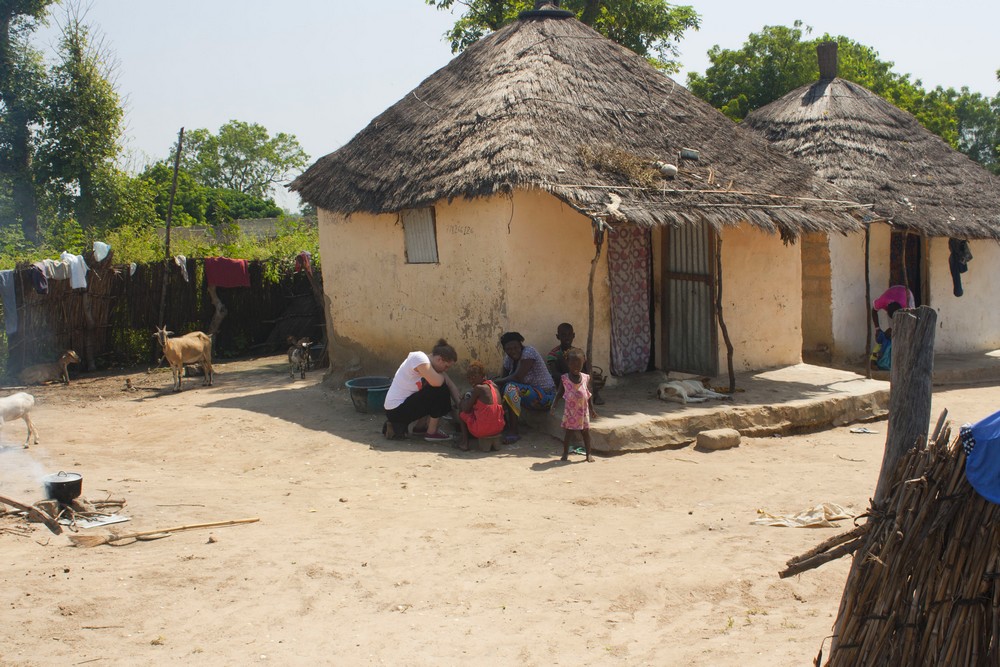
{"type": "Point", "coordinates": [21, 474]}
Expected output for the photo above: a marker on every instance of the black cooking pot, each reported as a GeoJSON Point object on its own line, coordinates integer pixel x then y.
{"type": "Point", "coordinates": [63, 486]}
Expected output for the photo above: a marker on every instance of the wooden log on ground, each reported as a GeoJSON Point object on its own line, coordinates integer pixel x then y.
{"type": "Point", "coordinates": [35, 513]}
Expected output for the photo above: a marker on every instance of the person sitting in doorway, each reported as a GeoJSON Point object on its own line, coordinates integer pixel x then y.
{"type": "Point", "coordinates": [894, 298]}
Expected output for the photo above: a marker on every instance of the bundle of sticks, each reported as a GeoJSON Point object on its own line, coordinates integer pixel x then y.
{"type": "Point", "coordinates": [923, 588]}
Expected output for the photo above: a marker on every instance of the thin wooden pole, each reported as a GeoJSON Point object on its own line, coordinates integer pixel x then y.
{"type": "Point", "coordinates": [170, 212]}
{"type": "Point", "coordinates": [598, 243]}
{"type": "Point", "coordinates": [718, 310]}
{"type": "Point", "coordinates": [868, 303]}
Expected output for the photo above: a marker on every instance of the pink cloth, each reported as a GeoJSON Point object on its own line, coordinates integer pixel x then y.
{"type": "Point", "coordinates": [225, 272]}
{"type": "Point", "coordinates": [303, 262]}
{"type": "Point", "coordinates": [895, 294]}
{"type": "Point", "coordinates": [576, 413]}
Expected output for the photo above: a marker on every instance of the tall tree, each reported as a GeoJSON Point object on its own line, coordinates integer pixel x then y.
{"type": "Point", "coordinates": [21, 73]}
{"type": "Point", "coordinates": [242, 157]}
{"type": "Point", "coordinates": [651, 28]}
{"type": "Point", "coordinates": [80, 139]}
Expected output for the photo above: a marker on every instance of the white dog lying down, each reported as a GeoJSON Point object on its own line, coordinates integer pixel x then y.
{"type": "Point", "coordinates": [687, 391]}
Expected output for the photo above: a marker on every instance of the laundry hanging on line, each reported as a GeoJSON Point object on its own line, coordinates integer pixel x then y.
{"type": "Point", "coordinates": [226, 272]}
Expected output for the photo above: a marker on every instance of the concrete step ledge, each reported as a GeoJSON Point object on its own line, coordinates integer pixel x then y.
{"type": "Point", "coordinates": [637, 432]}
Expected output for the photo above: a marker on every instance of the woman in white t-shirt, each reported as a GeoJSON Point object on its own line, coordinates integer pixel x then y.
{"type": "Point", "coordinates": [421, 388]}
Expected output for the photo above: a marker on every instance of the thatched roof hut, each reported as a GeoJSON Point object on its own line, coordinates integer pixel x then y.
{"type": "Point", "coordinates": [547, 103]}
{"type": "Point", "coordinates": [879, 154]}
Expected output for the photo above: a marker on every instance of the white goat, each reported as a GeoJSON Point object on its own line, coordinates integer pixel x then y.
{"type": "Point", "coordinates": [192, 348]}
{"type": "Point", "coordinates": [17, 406]}
{"type": "Point", "coordinates": [57, 370]}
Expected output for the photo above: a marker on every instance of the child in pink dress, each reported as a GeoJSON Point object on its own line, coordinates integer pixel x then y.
{"type": "Point", "coordinates": [574, 388]}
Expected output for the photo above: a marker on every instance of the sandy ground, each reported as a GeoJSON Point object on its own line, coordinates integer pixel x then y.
{"type": "Point", "coordinates": [371, 552]}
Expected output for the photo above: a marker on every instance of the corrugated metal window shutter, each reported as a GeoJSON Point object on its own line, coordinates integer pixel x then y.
{"type": "Point", "coordinates": [421, 237]}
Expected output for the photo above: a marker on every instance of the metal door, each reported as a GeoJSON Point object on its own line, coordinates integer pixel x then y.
{"type": "Point", "coordinates": [690, 339]}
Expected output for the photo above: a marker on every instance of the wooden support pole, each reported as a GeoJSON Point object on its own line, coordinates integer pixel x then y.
{"type": "Point", "coordinates": [718, 312]}
{"type": "Point", "coordinates": [170, 212]}
{"type": "Point", "coordinates": [868, 302]}
{"type": "Point", "coordinates": [599, 233]}
{"type": "Point", "coordinates": [909, 389]}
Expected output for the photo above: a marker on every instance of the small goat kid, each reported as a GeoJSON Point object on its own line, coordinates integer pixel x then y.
{"type": "Point", "coordinates": [298, 356]}
{"type": "Point", "coordinates": [58, 370]}
{"type": "Point", "coordinates": [192, 348]}
{"type": "Point", "coordinates": [17, 406]}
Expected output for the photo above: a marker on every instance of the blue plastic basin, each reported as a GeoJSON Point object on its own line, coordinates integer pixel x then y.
{"type": "Point", "coordinates": [368, 393]}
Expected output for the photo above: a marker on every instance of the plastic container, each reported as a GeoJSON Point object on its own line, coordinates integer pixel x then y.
{"type": "Point", "coordinates": [368, 393]}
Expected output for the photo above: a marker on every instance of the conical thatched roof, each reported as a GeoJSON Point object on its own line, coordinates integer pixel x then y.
{"type": "Point", "coordinates": [879, 154]}
{"type": "Point", "coordinates": [548, 103]}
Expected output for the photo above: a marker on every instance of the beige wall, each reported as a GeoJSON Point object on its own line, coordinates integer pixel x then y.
{"type": "Point", "coordinates": [505, 263]}
{"type": "Point", "coordinates": [965, 324]}
{"type": "Point", "coordinates": [851, 314]}
{"type": "Point", "coordinates": [762, 299]}
{"type": "Point", "coordinates": [817, 293]}
{"type": "Point", "coordinates": [971, 322]}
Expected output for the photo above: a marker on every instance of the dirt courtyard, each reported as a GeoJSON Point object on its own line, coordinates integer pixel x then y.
{"type": "Point", "coordinates": [371, 552]}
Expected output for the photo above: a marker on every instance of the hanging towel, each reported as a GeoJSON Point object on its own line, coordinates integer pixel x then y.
{"type": "Point", "coordinates": [981, 442]}
{"type": "Point", "coordinates": [77, 270]}
{"type": "Point", "coordinates": [101, 250]}
{"type": "Point", "coordinates": [38, 278]}
{"type": "Point", "coordinates": [303, 262]}
{"type": "Point", "coordinates": [9, 300]}
{"type": "Point", "coordinates": [181, 261]}
{"type": "Point", "coordinates": [54, 270]}
{"type": "Point", "coordinates": [958, 262]}
{"type": "Point", "coordinates": [225, 272]}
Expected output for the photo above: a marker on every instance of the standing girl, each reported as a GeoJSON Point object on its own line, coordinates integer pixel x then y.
{"type": "Point", "coordinates": [574, 388]}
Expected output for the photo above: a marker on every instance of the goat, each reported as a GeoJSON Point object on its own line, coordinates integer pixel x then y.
{"type": "Point", "coordinates": [195, 347]}
{"type": "Point", "coordinates": [17, 406]}
{"type": "Point", "coordinates": [57, 370]}
{"type": "Point", "coordinates": [298, 356]}
{"type": "Point", "coordinates": [687, 391]}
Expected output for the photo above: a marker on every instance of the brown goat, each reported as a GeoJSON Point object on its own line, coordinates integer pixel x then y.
{"type": "Point", "coordinates": [58, 370]}
{"type": "Point", "coordinates": [195, 347]}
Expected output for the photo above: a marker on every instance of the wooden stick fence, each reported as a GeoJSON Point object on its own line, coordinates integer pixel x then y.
{"type": "Point", "coordinates": [924, 588]}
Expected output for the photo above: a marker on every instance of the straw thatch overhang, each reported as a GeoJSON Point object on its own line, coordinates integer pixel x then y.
{"type": "Point", "coordinates": [881, 155]}
{"type": "Point", "coordinates": [546, 103]}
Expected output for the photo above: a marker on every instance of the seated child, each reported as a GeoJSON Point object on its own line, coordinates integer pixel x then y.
{"type": "Point", "coordinates": [574, 387]}
{"type": "Point", "coordinates": [480, 410]}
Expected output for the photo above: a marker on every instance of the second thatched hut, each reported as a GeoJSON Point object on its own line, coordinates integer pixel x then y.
{"type": "Point", "coordinates": [930, 204]}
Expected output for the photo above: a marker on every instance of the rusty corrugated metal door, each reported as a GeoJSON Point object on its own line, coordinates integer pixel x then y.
{"type": "Point", "coordinates": [690, 339]}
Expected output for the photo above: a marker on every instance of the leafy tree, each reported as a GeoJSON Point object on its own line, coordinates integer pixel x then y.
{"type": "Point", "coordinates": [79, 141]}
{"type": "Point", "coordinates": [197, 204]}
{"type": "Point", "coordinates": [21, 73]}
{"type": "Point", "coordinates": [651, 28]}
{"type": "Point", "coordinates": [978, 127]}
{"type": "Point", "coordinates": [242, 157]}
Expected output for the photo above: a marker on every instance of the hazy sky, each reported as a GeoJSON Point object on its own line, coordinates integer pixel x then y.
{"type": "Point", "coordinates": [321, 69]}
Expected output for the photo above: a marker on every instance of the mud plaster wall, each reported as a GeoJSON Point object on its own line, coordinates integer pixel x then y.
{"type": "Point", "coordinates": [516, 262]}
{"type": "Point", "coordinates": [970, 323]}
{"type": "Point", "coordinates": [817, 325]}
{"type": "Point", "coordinates": [762, 299]}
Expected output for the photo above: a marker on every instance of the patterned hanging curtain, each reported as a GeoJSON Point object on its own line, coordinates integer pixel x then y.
{"type": "Point", "coordinates": [629, 256]}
